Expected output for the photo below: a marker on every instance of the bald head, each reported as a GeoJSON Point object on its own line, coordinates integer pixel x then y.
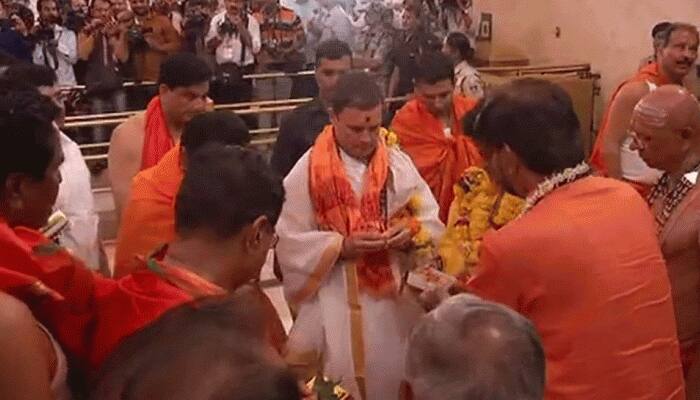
{"type": "Point", "coordinates": [666, 128]}
{"type": "Point", "coordinates": [473, 349]}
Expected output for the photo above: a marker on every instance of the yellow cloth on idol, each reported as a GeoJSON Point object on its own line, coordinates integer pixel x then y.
{"type": "Point", "coordinates": [477, 207]}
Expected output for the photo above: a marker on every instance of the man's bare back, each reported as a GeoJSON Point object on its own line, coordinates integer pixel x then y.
{"type": "Point", "coordinates": [125, 152]}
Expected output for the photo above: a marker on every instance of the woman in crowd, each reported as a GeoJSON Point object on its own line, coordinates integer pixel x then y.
{"type": "Point", "coordinates": [467, 79]}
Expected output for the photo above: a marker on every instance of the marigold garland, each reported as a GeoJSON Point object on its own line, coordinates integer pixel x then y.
{"type": "Point", "coordinates": [478, 206]}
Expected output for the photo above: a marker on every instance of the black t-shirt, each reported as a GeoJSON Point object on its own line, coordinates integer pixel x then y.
{"type": "Point", "coordinates": [298, 132]}
{"type": "Point", "coordinates": [404, 55]}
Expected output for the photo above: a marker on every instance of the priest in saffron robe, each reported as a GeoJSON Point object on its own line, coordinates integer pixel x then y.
{"type": "Point", "coordinates": [143, 139]}
{"type": "Point", "coordinates": [148, 220]}
{"type": "Point", "coordinates": [223, 238]}
{"type": "Point", "coordinates": [429, 128]}
{"type": "Point", "coordinates": [343, 252]}
{"type": "Point", "coordinates": [666, 131]}
{"type": "Point", "coordinates": [612, 155]}
{"type": "Point", "coordinates": [569, 263]}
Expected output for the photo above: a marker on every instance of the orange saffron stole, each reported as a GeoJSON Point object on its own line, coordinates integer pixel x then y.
{"type": "Point", "coordinates": [650, 73]}
{"type": "Point", "coordinates": [337, 208]}
{"type": "Point", "coordinates": [157, 139]}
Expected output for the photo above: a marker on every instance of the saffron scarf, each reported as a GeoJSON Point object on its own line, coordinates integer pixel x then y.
{"type": "Point", "coordinates": [338, 209]}
{"type": "Point", "coordinates": [198, 287]}
{"type": "Point", "coordinates": [157, 139]}
{"type": "Point", "coordinates": [440, 159]}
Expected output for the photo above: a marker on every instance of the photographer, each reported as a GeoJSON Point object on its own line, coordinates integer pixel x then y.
{"type": "Point", "coordinates": [76, 15]}
{"type": "Point", "coordinates": [234, 37]}
{"type": "Point", "coordinates": [195, 27]}
{"type": "Point", "coordinates": [283, 41]}
{"type": "Point", "coordinates": [15, 38]}
{"type": "Point", "coordinates": [56, 46]}
{"type": "Point", "coordinates": [103, 45]}
{"type": "Point", "coordinates": [151, 39]}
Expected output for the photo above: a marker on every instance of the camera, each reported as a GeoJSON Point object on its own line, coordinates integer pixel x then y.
{"type": "Point", "coordinates": [44, 34]}
{"type": "Point", "coordinates": [135, 36]}
{"type": "Point", "coordinates": [75, 20]}
{"type": "Point", "coordinates": [227, 28]}
{"type": "Point", "coordinates": [196, 22]}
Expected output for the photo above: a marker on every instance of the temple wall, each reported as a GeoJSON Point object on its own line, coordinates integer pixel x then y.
{"type": "Point", "coordinates": [613, 36]}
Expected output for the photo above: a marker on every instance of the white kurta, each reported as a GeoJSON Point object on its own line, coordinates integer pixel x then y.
{"type": "Point", "coordinates": [323, 324]}
{"type": "Point", "coordinates": [76, 202]}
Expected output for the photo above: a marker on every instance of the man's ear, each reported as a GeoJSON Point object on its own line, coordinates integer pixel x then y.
{"type": "Point", "coordinates": [256, 232]}
{"type": "Point", "coordinates": [163, 89]}
{"type": "Point", "coordinates": [12, 190]}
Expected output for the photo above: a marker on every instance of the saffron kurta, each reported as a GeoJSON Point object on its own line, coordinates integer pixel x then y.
{"type": "Point", "coordinates": [148, 220]}
{"type": "Point", "coordinates": [585, 267]}
{"type": "Point", "coordinates": [440, 158]}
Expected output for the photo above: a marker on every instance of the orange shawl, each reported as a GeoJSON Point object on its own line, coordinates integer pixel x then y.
{"type": "Point", "coordinates": [148, 220]}
{"type": "Point", "coordinates": [650, 73]}
{"type": "Point", "coordinates": [338, 209]}
{"type": "Point", "coordinates": [441, 160]}
{"type": "Point", "coordinates": [157, 139]}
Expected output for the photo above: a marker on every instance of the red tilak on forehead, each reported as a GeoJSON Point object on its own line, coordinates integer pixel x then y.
{"type": "Point", "coordinates": [366, 119]}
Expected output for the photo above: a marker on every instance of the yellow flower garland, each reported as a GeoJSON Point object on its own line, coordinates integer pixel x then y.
{"type": "Point", "coordinates": [478, 206]}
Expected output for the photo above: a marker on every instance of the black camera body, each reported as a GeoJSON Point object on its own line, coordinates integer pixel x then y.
{"type": "Point", "coordinates": [45, 34]}
{"type": "Point", "coordinates": [196, 22]}
{"type": "Point", "coordinates": [227, 28]}
{"type": "Point", "coordinates": [75, 20]}
{"type": "Point", "coordinates": [135, 36]}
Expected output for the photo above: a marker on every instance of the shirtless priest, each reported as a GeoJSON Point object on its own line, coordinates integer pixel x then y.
{"type": "Point", "coordinates": [666, 132]}
{"type": "Point", "coordinates": [343, 249]}
{"type": "Point", "coordinates": [142, 140]}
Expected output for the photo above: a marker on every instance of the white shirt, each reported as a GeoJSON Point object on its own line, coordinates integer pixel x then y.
{"type": "Point", "coordinates": [468, 81]}
{"type": "Point", "coordinates": [303, 8]}
{"type": "Point", "coordinates": [66, 55]}
{"type": "Point", "coordinates": [334, 24]}
{"type": "Point", "coordinates": [76, 202]}
{"type": "Point", "coordinates": [229, 51]}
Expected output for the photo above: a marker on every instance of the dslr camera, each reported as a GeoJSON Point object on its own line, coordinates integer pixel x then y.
{"type": "Point", "coordinates": [227, 27]}
{"type": "Point", "coordinates": [44, 34]}
{"type": "Point", "coordinates": [135, 36]}
{"type": "Point", "coordinates": [75, 20]}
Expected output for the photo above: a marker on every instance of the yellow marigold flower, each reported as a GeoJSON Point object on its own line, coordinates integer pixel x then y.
{"type": "Point", "coordinates": [478, 206]}
{"type": "Point", "coordinates": [389, 137]}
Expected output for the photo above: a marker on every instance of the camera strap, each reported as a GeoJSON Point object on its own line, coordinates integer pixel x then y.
{"type": "Point", "coordinates": [52, 52]}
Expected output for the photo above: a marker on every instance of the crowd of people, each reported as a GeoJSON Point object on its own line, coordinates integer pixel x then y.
{"type": "Point", "coordinates": [588, 290]}
{"type": "Point", "coordinates": [106, 43]}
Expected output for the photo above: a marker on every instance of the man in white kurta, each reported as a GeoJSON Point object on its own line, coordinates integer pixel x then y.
{"type": "Point", "coordinates": [350, 333]}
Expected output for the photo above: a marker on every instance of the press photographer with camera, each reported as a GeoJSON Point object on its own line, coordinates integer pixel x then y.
{"type": "Point", "coordinates": [151, 39]}
{"type": "Point", "coordinates": [195, 26]}
{"type": "Point", "coordinates": [234, 37]}
{"type": "Point", "coordinates": [103, 45]}
{"type": "Point", "coordinates": [283, 41]}
{"type": "Point", "coordinates": [76, 15]}
{"type": "Point", "coordinates": [56, 46]}
{"type": "Point", "coordinates": [15, 38]}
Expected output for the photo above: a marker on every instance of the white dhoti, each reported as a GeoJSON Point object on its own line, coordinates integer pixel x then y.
{"type": "Point", "coordinates": [350, 333]}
